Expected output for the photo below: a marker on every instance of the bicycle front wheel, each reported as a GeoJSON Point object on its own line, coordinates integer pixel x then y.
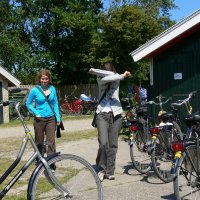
{"type": "Point", "coordinates": [139, 152]}
{"type": "Point", "coordinates": [187, 181]}
{"type": "Point", "coordinates": [74, 173]}
{"type": "Point", "coordinates": [162, 155]}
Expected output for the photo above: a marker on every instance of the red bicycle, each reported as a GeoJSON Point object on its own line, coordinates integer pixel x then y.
{"type": "Point", "coordinates": [71, 106]}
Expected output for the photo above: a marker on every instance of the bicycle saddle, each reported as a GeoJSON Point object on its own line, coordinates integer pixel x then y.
{"type": "Point", "coordinates": [192, 119]}
{"type": "Point", "coordinates": [165, 117]}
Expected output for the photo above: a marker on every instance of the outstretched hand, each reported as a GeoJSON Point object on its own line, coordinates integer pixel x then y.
{"type": "Point", "coordinates": [126, 74]}
{"type": "Point", "coordinates": [90, 70]}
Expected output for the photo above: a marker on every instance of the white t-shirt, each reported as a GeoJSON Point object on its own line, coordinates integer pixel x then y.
{"type": "Point", "coordinates": [107, 108]}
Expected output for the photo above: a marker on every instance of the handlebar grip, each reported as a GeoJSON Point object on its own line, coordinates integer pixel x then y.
{"type": "Point", "coordinates": [15, 90]}
{"type": "Point", "coordinates": [4, 103]}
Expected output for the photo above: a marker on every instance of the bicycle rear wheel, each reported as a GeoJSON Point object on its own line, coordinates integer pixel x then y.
{"type": "Point", "coordinates": [187, 182]}
{"type": "Point", "coordinates": [74, 173]}
{"type": "Point", "coordinates": [139, 154]}
{"type": "Point", "coordinates": [162, 155]}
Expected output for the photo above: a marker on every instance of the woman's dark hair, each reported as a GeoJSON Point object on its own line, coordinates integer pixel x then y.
{"type": "Point", "coordinates": [43, 72]}
{"type": "Point", "coordinates": [109, 67]}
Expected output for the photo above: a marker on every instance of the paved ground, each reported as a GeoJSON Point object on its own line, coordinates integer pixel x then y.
{"type": "Point", "coordinates": [129, 184]}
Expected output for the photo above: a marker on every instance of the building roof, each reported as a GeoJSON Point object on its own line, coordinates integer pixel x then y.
{"type": "Point", "coordinates": [10, 77]}
{"type": "Point", "coordinates": [168, 37]}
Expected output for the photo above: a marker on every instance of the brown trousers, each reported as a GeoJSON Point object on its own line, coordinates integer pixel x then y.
{"type": "Point", "coordinates": [45, 127]}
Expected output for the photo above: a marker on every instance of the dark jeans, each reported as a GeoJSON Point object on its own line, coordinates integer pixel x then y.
{"type": "Point", "coordinates": [45, 127]}
{"type": "Point", "coordinates": [108, 128]}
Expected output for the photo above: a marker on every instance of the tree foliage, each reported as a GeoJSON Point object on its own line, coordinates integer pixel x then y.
{"type": "Point", "coordinates": [123, 29]}
{"type": "Point", "coordinates": [69, 36]}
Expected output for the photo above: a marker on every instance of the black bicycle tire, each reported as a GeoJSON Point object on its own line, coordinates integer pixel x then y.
{"type": "Point", "coordinates": [155, 168]}
{"type": "Point", "coordinates": [33, 181]}
{"type": "Point", "coordinates": [175, 181]}
{"type": "Point", "coordinates": [179, 174]}
{"type": "Point", "coordinates": [155, 163]}
{"type": "Point", "coordinates": [177, 127]}
{"type": "Point", "coordinates": [135, 162]}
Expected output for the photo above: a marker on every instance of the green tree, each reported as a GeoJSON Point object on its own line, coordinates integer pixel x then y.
{"type": "Point", "coordinates": [61, 32]}
{"type": "Point", "coordinates": [49, 34]}
{"type": "Point", "coordinates": [15, 54]}
{"type": "Point", "coordinates": [123, 30]}
{"type": "Point", "coordinates": [125, 27]}
{"type": "Point", "coordinates": [68, 36]}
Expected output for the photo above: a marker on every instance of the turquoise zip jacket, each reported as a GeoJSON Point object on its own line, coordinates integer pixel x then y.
{"type": "Point", "coordinates": [112, 96]}
{"type": "Point", "coordinates": [41, 107]}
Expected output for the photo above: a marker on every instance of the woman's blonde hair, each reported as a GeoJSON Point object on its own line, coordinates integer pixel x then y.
{"type": "Point", "coordinates": [42, 72]}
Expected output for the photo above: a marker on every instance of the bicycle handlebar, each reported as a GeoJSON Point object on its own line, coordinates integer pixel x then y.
{"type": "Point", "coordinates": [7, 103]}
{"type": "Point", "coordinates": [160, 103]}
{"type": "Point", "coordinates": [17, 105]}
{"type": "Point", "coordinates": [4, 103]}
{"type": "Point", "coordinates": [184, 101]}
{"type": "Point", "coordinates": [17, 90]}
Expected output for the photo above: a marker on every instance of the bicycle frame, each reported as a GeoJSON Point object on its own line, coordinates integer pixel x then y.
{"type": "Point", "coordinates": [37, 154]}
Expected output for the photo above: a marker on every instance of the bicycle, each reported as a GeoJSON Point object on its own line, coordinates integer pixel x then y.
{"type": "Point", "coordinates": [168, 131]}
{"type": "Point", "coordinates": [186, 163]}
{"type": "Point", "coordinates": [163, 134]}
{"type": "Point", "coordinates": [141, 143]}
{"type": "Point", "coordinates": [140, 138]}
{"type": "Point", "coordinates": [71, 106]}
{"type": "Point", "coordinates": [23, 109]}
{"type": "Point", "coordinates": [71, 178]}
{"type": "Point", "coordinates": [127, 118]}
{"type": "Point", "coordinates": [89, 104]}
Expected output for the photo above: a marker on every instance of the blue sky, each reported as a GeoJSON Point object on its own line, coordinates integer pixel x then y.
{"type": "Point", "coordinates": [186, 7]}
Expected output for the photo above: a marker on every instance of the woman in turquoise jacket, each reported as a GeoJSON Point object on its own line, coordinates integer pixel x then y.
{"type": "Point", "coordinates": [46, 115]}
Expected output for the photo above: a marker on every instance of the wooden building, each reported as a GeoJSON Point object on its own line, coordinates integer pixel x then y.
{"type": "Point", "coordinates": [175, 60]}
{"type": "Point", "coordinates": [6, 79]}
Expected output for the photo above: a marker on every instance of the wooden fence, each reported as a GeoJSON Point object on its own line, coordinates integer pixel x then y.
{"type": "Point", "coordinates": [74, 90]}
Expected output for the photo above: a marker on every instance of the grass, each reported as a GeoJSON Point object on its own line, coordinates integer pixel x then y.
{"type": "Point", "coordinates": [17, 122]}
{"type": "Point", "coordinates": [13, 144]}
{"type": "Point", "coordinates": [74, 136]}
{"type": "Point", "coordinates": [5, 163]}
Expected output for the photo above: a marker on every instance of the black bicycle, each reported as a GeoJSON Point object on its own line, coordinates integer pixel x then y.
{"type": "Point", "coordinates": [140, 137]}
{"type": "Point", "coordinates": [13, 115]}
{"type": "Point", "coordinates": [186, 163]}
{"type": "Point", "coordinates": [71, 177]}
{"type": "Point", "coordinates": [169, 130]}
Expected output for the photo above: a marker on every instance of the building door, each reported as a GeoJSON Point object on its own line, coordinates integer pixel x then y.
{"type": "Point", "coordinates": [1, 108]}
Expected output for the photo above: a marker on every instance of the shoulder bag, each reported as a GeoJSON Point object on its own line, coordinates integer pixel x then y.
{"type": "Point", "coordinates": [94, 123]}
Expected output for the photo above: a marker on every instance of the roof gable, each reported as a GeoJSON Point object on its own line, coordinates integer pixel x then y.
{"type": "Point", "coordinates": [164, 39]}
{"type": "Point", "coordinates": [8, 76]}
